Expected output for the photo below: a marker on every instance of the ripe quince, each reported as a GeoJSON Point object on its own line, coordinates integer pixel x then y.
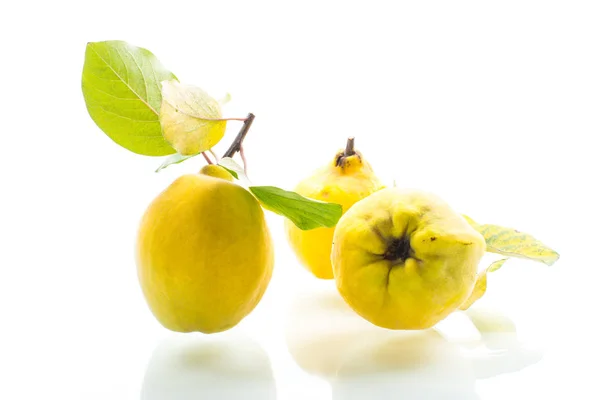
{"type": "Point", "coordinates": [204, 254]}
{"type": "Point", "coordinates": [403, 259]}
{"type": "Point", "coordinates": [347, 179]}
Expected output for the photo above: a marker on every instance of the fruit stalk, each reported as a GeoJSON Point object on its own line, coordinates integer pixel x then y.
{"type": "Point", "coordinates": [349, 147]}
{"type": "Point", "coordinates": [208, 160]}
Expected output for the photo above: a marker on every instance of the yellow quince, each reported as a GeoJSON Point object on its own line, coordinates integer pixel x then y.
{"type": "Point", "coordinates": [403, 259]}
{"type": "Point", "coordinates": [346, 180]}
{"type": "Point", "coordinates": [204, 253]}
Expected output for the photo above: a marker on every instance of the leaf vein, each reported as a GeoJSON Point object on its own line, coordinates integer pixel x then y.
{"type": "Point", "coordinates": [121, 78]}
{"type": "Point", "coordinates": [126, 117]}
{"type": "Point", "coordinates": [141, 73]}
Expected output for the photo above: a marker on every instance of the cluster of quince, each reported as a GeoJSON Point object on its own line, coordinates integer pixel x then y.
{"type": "Point", "coordinates": [402, 259]}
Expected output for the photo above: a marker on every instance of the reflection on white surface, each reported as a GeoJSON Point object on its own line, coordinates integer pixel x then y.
{"type": "Point", "coordinates": [362, 361]}
{"type": "Point", "coordinates": [420, 366]}
{"type": "Point", "coordinates": [225, 366]}
{"type": "Point", "coordinates": [499, 350]}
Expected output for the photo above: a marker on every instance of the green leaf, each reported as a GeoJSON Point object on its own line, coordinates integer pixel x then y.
{"type": "Point", "coordinates": [481, 284]}
{"type": "Point", "coordinates": [235, 170]}
{"type": "Point", "coordinates": [190, 118]}
{"type": "Point", "coordinates": [513, 243]}
{"type": "Point", "coordinates": [173, 159]}
{"type": "Point", "coordinates": [121, 88]}
{"type": "Point", "coordinates": [305, 213]}
{"type": "Point", "coordinates": [230, 165]}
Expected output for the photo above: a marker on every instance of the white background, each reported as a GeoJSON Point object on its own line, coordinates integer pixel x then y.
{"type": "Point", "coordinates": [491, 105]}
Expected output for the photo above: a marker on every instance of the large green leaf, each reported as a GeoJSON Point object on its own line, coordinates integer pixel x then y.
{"type": "Point", "coordinates": [513, 243]}
{"type": "Point", "coordinates": [122, 92]}
{"type": "Point", "coordinates": [305, 213]}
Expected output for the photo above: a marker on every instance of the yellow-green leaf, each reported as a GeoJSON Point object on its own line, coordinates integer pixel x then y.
{"type": "Point", "coordinates": [513, 243]}
{"type": "Point", "coordinates": [190, 118]}
{"type": "Point", "coordinates": [496, 265]}
{"type": "Point", "coordinates": [481, 283]}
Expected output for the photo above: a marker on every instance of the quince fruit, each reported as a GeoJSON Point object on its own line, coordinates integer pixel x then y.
{"type": "Point", "coordinates": [346, 180]}
{"type": "Point", "coordinates": [204, 254]}
{"type": "Point", "coordinates": [403, 259]}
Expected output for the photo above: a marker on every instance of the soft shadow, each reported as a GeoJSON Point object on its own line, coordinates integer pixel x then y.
{"type": "Point", "coordinates": [362, 361]}
{"type": "Point", "coordinates": [193, 366]}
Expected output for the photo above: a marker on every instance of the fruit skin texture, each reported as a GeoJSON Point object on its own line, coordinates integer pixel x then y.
{"type": "Point", "coordinates": [346, 180]}
{"type": "Point", "coordinates": [403, 259]}
{"type": "Point", "coordinates": [204, 254]}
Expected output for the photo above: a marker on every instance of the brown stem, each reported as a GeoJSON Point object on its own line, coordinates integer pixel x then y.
{"type": "Point", "coordinates": [349, 147]}
{"type": "Point", "coordinates": [237, 142]}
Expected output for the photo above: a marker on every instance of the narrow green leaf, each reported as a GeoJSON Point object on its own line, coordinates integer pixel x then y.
{"type": "Point", "coordinates": [122, 92]}
{"type": "Point", "coordinates": [513, 243]}
{"type": "Point", "coordinates": [173, 159]}
{"type": "Point", "coordinates": [305, 213]}
{"type": "Point", "coordinates": [190, 118]}
{"type": "Point", "coordinates": [234, 168]}
{"type": "Point", "coordinates": [230, 165]}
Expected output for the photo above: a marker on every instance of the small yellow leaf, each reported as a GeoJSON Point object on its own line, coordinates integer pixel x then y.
{"type": "Point", "coordinates": [496, 265]}
{"type": "Point", "coordinates": [510, 242]}
{"type": "Point", "coordinates": [190, 118]}
{"type": "Point", "coordinates": [481, 284]}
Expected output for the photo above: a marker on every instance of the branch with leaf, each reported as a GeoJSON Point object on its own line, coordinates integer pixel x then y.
{"type": "Point", "coordinates": [144, 108]}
